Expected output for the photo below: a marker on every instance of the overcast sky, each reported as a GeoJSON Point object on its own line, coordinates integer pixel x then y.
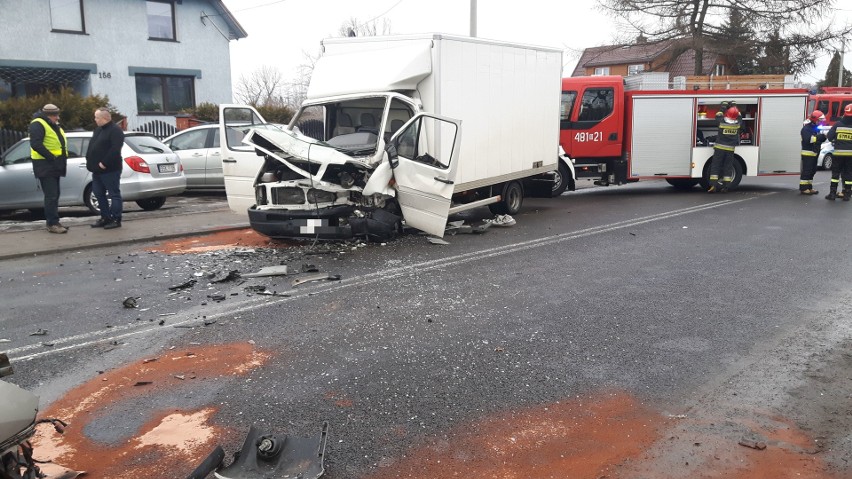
{"type": "Point", "coordinates": [281, 31]}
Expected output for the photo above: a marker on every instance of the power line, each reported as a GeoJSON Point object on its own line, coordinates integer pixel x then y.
{"type": "Point", "coordinates": [258, 6]}
{"type": "Point", "coordinates": [382, 14]}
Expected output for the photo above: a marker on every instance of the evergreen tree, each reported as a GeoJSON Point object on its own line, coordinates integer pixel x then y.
{"type": "Point", "coordinates": [737, 42]}
{"type": "Point", "coordinates": [831, 74]}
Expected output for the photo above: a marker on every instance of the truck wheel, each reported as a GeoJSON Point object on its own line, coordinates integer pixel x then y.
{"type": "Point", "coordinates": [683, 184]}
{"type": "Point", "coordinates": [561, 178]}
{"type": "Point", "coordinates": [736, 175]}
{"type": "Point", "coordinates": [512, 199]}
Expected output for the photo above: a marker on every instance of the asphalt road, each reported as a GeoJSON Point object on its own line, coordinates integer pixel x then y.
{"type": "Point", "coordinates": [630, 331]}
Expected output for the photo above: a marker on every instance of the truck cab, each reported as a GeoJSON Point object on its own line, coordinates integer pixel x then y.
{"type": "Point", "coordinates": [831, 102]}
{"type": "Point", "coordinates": [591, 122]}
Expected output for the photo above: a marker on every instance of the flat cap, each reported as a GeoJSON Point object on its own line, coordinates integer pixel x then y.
{"type": "Point", "coordinates": [50, 109]}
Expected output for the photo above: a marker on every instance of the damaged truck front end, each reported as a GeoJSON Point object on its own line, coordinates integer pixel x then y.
{"type": "Point", "coordinates": [331, 181]}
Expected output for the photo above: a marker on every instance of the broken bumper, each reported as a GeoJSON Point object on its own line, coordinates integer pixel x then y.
{"type": "Point", "coordinates": [334, 223]}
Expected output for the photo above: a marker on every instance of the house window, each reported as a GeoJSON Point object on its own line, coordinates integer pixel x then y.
{"type": "Point", "coordinates": [635, 69]}
{"type": "Point", "coordinates": [161, 20]}
{"type": "Point", "coordinates": [164, 93]}
{"type": "Point", "coordinates": [719, 70]}
{"type": "Point", "coordinates": [602, 71]}
{"type": "Point", "coordinates": [67, 16]}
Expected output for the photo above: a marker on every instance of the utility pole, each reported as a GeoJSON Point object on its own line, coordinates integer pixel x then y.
{"type": "Point", "coordinates": [842, 53]}
{"type": "Point", "coordinates": [472, 18]}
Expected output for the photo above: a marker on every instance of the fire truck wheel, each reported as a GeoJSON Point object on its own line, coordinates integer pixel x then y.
{"type": "Point", "coordinates": [562, 177]}
{"type": "Point", "coordinates": [512, 199]}
{"type": "Point", "coordinates": [683, 184]}
{"type": "Point", "coordinates": [737, 174]}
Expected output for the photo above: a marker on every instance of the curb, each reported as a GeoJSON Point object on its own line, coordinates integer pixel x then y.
{"type": "Point", "coordinates": [145, 239]}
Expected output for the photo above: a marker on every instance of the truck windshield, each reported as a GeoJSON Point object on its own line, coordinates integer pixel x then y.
{"type": "Point", "coordinates": [354, 126]}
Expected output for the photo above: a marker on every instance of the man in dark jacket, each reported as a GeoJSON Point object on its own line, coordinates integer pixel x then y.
{"type": "Point", "coordinates": [103, 159]}
{"type": "Point", "coordinates": [841, 135]}
{"type": "Point", "coordinates": [49, 152]}
{"type": "Point", "coordinates": [812, 140]}
{"type": "Point", "coordinates": [730, 125]}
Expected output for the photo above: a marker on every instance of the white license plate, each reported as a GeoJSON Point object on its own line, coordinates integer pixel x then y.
{"type": "Point", "coordinates": [166, 168]}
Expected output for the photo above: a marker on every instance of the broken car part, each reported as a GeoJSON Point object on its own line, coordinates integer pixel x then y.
{"type": "Point", "coordinates": [267, 456]}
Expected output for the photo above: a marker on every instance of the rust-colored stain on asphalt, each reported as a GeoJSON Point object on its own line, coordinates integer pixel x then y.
{"type": "Point", "coordinates": [612, 436]}
{"type": "Point", "coordinates": [171, 441]}
{"type": "Point", "coordinates": [569, 439]}
{"type": "Point", "coordinates": [233, 239]}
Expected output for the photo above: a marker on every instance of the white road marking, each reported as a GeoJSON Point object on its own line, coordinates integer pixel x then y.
{"type": "Point", "coordinates": [370, 278]}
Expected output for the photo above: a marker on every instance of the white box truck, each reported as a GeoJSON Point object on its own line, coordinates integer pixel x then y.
{"type": "Point", "coordinates": [379, 139]}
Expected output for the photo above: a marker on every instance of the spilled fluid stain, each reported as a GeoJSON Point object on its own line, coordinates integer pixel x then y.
{"type": "Point", "coordinates": [168, 444]}
{"type": "Point", "coordinates": [234, 239]}
{"type": "Point", "coordinates": [610, 436]}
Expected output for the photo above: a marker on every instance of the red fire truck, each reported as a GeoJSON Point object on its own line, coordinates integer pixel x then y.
{"type": "Point", "coordinates": [831, 101]}
{"type": "Point", "coordinates": [617, 136]}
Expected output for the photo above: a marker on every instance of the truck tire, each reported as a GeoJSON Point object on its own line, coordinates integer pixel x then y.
{"type": "Point", "coordinates": [562, 177]}
{"type": "Point", "coordinates": [737, 174]}
{"type": "Point", "coordinates": [511, 201]}
{"type": "Point", "coordinates": [683, 184]}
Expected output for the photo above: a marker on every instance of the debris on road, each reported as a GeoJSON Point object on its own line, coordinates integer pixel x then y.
{"type": "Point", "coordinates": [130, 302]}
{"type": "Point", "coordinates": [302, 457]}
{"type": "Point", "coordinates": [501, 220]}
{"type": "Point", "coordinates": [149, 360]}
{"type": "Point", "coordinates": [759, 445]}
{"type": "Point", "coordinates": [436, 240]}
{"type": "Point", "coordinates": [309, 268]}
{"type": "Point", "coordinates": [316, 277]}
{"type": "Point", "coordinates": [39, 332]}
{"type": "Point", "coordinates": [143, 383]}
{"type": "Point", "coordinates": [187, 284]}
{"type": "Point", "coordinates": [231, 276]}
{"type": "Point", "coordinates": [268, 271]}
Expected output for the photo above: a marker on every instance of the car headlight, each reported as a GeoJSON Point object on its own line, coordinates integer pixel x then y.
{"type": "Point", "coordinates": [260, 194]}
{"type": "Point", "coordinates": [288, 196]}
{"type": "Point", "coordinates": [319, 196]}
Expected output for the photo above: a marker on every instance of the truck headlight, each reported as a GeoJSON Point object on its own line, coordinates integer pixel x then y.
{"type": "Point", "coordinates": [260, 194]}
{"type": "Point", "coordinates": [319, 196]}
{"type": "Point", "coordinates": [288, 196]}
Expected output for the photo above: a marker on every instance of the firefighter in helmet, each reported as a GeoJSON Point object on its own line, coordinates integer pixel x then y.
{"type": "Point", "coordinates": [730, 124]}
{"type": "Point", "coordinates": [811, 141]}
{"type": "Point", "coordinates": [841, 135]}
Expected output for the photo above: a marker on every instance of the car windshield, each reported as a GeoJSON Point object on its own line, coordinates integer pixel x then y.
{"type": "Point", "coordinates": [146, 144]}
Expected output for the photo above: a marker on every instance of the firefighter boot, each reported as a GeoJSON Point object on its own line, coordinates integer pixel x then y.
{"type": "Point", "coordinates": [832, 194]}
{"type": "Point", "coordinates": [847, 195]}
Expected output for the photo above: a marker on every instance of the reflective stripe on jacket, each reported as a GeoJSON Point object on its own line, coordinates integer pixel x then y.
{"type": "Point", "coordinates": [51, 141]}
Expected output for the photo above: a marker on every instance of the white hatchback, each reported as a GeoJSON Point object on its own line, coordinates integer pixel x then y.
{"type": "Point", "coordinates": [151, 173]}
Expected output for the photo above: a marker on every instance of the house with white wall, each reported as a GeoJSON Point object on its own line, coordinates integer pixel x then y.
{"type": "Point", "coordinates": [152, 58]}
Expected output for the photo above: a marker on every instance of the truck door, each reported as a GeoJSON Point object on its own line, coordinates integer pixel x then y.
{"type": "Point", "coordinates": [595, 129]}
{"type": "Point", "coordinates": [240, 164]}
{"type": "Point", "coordinates": [424, 165]}
{"type": "Point", "coordinates": [779, 151]}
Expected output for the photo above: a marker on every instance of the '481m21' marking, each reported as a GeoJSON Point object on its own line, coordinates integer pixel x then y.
{"type": "Point", "coordinates": [584, 136]}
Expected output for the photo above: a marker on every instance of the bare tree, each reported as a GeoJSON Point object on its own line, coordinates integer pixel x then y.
{"type": "Point", "coordinates": [297, 89]}
{"type": "Point", "coordinates": [797, 25]}
{"type": "Point", "coordinates": [264, 86]}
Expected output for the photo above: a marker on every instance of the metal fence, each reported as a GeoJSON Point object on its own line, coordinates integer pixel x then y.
{"type": "Point", "coordinates": [9, 138]}
{"type": "Point", "coordinates": [157, 128]}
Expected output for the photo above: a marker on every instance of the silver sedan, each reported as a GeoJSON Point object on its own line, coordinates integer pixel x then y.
{"type": "Point", "coordinates": [151, 173]}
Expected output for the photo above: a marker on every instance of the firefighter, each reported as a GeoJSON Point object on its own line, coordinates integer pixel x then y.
{"type": "Point", "coordinates": [811, 141]}
{"type": "Point", "coordinates": [841, 135]}
{"type": "Point", "coordinates": [730, 124]}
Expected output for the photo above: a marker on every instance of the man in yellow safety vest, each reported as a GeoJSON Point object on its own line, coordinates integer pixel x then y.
{"type": "Point", "coordinates": [49, 152]}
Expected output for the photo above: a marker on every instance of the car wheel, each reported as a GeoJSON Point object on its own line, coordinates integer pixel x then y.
{"type": "Point", "coordinates": [91, 201]}
{"type": "Point", "coordinates": [561, 177]}
{"type": "Point", "coordinates": [151, 204]}
{"type": "Point", "coordinates": [827, 161]}
{"type": "Point", "coordinates": [511, 201]}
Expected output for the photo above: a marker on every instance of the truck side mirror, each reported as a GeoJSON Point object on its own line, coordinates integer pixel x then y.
{"type": "Point", "coordinates": [393, 155]}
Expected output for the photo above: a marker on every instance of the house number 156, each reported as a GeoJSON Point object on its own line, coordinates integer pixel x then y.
{"type": "Point", "coordinates": [104, 75]}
